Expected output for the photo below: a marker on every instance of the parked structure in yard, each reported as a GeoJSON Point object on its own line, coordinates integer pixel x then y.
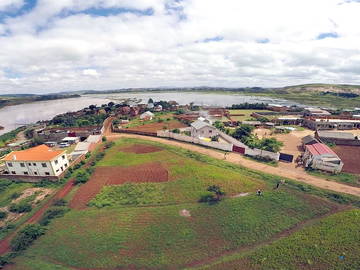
{"type": "Point", "coordinates": [338, 138]}
{"type": "Point", "coordinates": [70, 140]}
{"type": "Point", "coordinates": [147, 116]}
{"type": "Point", "coordinates": [203, 129]}
{"type": "Point", "coordinates": [320, 156]}
{"type": "Point", "coordinates": [39, 161]}
{"type": "Point", "coordinates": [331, 123]}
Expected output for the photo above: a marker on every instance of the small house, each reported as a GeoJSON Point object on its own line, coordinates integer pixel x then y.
{"type": "Point", "coordinates": [147, 116]}
{"type": "Point", "coordinates": [203, 129]}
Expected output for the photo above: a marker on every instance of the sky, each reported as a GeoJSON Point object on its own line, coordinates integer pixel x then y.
{"type": "Point", "coordinates": [61, 45]}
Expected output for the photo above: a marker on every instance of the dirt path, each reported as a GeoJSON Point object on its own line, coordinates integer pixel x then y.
{"type": "Point", "coordinates": [5, 243]}
{"type": "Point", "coordinates": [288, 171]}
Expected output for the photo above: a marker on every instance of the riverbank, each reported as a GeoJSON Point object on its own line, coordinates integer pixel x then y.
{"type": "Point", "coordinates": [12, 100]}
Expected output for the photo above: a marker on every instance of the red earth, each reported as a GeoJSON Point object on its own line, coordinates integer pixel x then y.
{"type": "Point", "coordinates": [150, 172]}
{"type": "Point", "coordinates": [350, 155]}
{"type": "Point", "coordinates": [154, 127]}
{"type": "Point", "coordinates": [141, 149]}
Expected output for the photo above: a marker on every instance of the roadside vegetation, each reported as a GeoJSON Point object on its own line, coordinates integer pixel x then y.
{"type": "Point", "coordinates": [346, 178]}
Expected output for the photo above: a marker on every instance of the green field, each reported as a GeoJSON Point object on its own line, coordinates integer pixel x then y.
{"type": "Point", "coordinates": [332, 243]}
{"type": "Point", "coordinates": [246, 114]}
{"type": "Point", "coordinates": [143, 227]}
{"type": "Point", "coordinates": [346, 178]}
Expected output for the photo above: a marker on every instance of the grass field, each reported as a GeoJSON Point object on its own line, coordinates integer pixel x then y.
{"type": "Point", "coordinates": [188, 177]}
{"type": "Point", "coordinates": [346, 178]}
{"type": "Point", "coordinates": [159, 238]}
{"type": "Point", "coordinates": [6, 192]}
{"type": "Point", "coordinates": [142, 226]}
{"type": "Point", "coordinates": [333, 243]}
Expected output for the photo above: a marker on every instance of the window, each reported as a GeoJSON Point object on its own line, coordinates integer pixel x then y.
{"type": "Point", "coordinates": [56, 162]}
{"type": "Point", "coordinates": [44, 165]}
{"type": "Point", "coordinates": [29, 164]}
{"type": "Point", "coordinates": [210, 131]}
{"type": "Point", "coordinates": [35, 173]}
{"type": "Point", "coordinates": [57, 170]}
{"type": "Point", "coordinates": [13, 172]}
{"type": "Point", "coordinates": [10, 164]}
{"type": "Point", "coordinates": [47, 173]}
{"type": "Point", "coordinates": [62, 169]}
{"type": "Point", "coordinates": [65, 165]}
{"type": "Point", "coordinates": [34, 164]}
{"type": "Point", "coordinates": [63, 157]}
{"type": "Point", "coordinates": [22, 164]}
{"type": "Point", "coordinates": [26, 173]}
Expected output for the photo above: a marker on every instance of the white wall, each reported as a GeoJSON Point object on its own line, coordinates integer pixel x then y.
{"type": "Point", "coordinates": [262, 153]}
{"type": "Point", "coordinates": [36, 168]}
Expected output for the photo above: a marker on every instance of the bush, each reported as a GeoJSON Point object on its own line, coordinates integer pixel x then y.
{"type": "Point", "coordinates": [21, 207]}
{"type": "Point", "coordinates": [59, 202]}
{"type": "Point", "coordinates": [81, 177]}
{"type": "Point", "coordinates": [176, 130]}
{"type": "Point", "coordinates": [15, 195]}
{"type": "Point", "coordinates": [109, 145]}
{"type": "Point", "coordinates": [3, 215]}
{"type": "Point", "coordinates": [88, 154]}
{"type": "Point", "coordinates": [104, 139]}
{"type": "Point", "coordinates": [26, 236]}
{"type": "Point", "coordinates": [51, 214]}
{"type": "Point", "coordinates": [44, 183]}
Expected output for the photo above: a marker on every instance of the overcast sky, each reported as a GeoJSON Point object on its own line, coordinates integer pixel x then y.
{"type": "Point", "coordinates": [55, 45]}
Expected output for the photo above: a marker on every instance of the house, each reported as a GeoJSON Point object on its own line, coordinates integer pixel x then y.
{"type": "Point", "coordinates": [315, 112]}
{"type": "Point", "coordinates": [158, 108]}
{"type": "Point", "coordinates": [320, 156]}
{"type": "Point", "coordinates": [203, 129]}
{"type": "Point", "coordinates": [288, 120]}
{"type": "Point", "coordinates": [39, 161]}
{"type": "Point", "coordinates": [252, 123]}
{"type": "Point", "coordinates": [150, 106]}
{"type": "Point", "coordinates": [147, 116]}
{"type": "Point", "coordinates": [70, 140]}
{"type": "Point", "coordinates": [338, 138]}
{"type": "Point", "coordinates": [308, 140]}
{"type": "Point", "coordinates": [331, 123]}
{"type": "Point", "coordinates": [277, 108]}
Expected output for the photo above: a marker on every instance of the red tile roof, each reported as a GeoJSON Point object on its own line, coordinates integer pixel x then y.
{"type": "Point", "coordinates": [38, 153]}
{"type": "Point", "coordinates": [317, 149]}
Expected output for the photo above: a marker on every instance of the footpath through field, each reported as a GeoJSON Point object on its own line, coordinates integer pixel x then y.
{"type": "Point", "coordinates": [297, 174]}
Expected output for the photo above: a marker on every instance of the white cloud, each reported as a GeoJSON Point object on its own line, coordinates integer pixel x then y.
{"type": "Point", "coordinates": [6, 5]}
{"type": "Point", "coordinates": [52, 47]}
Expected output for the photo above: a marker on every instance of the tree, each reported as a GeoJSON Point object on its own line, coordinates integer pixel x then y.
{"type": "Point", "coordinates": [217, 190]}
{"type": "Point", "coordinates": [219, 125]}
{"type": "Point", "coordinates": [243, 131]}
{"type": "Point", "coordinates": [111, 104]}
{"type": "Point", "coordinates": [271, 144]}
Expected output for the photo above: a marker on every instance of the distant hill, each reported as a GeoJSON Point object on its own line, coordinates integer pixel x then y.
{"type": "Point", "coordinates": [334, 88]}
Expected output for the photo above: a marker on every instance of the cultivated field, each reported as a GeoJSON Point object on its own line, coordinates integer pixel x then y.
{"type": "Point", "coordinates": [140, 211]}
{"type": "Point", "coordinates": [350, 155]}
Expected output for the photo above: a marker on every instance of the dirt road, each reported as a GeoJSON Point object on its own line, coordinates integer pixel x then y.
{"type": "Point", "coordinates": [298, 174]}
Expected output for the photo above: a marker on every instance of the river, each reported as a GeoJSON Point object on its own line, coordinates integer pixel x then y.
{"type": "Point", "coordinates": [12, 117]}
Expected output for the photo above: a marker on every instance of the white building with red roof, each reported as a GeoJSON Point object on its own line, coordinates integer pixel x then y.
{"type": "Point", "coordinates": [320, 156]}
{"type": "Point", "coordinates": [39, 161]}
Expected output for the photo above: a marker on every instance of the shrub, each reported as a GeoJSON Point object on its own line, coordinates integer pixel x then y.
{"type": "Point", "coordinates": [26, 236]}
{"type": "Point", "coordinates": [59, 202]}
{"type": "Point", "coordinates": [21, 207]}
{"type": "Point", "coordinates": [109, 145]}
{"type": "Point", "coordinates": [176, 130]}
{"type": "Point", "coordinates": [88, 154]}
{"type": "Point", "coordinates": [44, 183]}
{"type": "Point", "coordinates": [104, 139]}
{"type": "Point", "coordinates": [81, 177]}
{"type": "Point", "coordinates": [3, 215]}
{"type": "Point", "coordinates": [15, 195]}
{"type": "Point", "coordinates": [51, 214]}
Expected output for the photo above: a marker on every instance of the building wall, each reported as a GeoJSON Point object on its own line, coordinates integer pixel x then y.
{"type": "Point", "coordinates": [206, 132]}
{"type": "Point", "coordinates": [38, 168]}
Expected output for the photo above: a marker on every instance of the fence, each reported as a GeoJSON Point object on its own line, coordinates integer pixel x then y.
{"type": "Point", "coordinates": [179, 137]}
{"type": "Point", "coordinates": [129, 131]}
{"type": "Point", "coordinates": [262, 153]}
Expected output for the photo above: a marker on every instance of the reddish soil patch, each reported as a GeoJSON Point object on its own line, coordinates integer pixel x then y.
{"type": "Point", "coordinates": [350, 155]}
{"type": "Point", "coordinates": [151, 172]}
{"type": "Point", "coordinates": [141, 149]}
{"type": "Point", "coordinates": [153, 127]}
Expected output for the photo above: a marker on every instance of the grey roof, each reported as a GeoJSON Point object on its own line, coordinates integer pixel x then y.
{"type": "Point", "coordinates": [82, 146]}
{"type": "Point", "coordinates": [200, 124]}
{"type": "Point", "coordinates": [254, 123]}
{"type": "Point", "coordinates": [336, 135]}
{"type": "Point", "coordinates": [308, 139]}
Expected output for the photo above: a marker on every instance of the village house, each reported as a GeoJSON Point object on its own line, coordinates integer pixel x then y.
{"type": "Point", "coordinates": [39, 161]}
{"type": "Point", "coordinates": [147, 116]}
{"type": "Point", "coordinates": [315, 112]}
{"type": "Point", "coordinates": [203, 129]}
{"type": "Point", "coordinates": [331, 123]}
{"type": "Point", "coordinates": [320, 156]}
{"type": "Point", "coordinates": [338, 138]}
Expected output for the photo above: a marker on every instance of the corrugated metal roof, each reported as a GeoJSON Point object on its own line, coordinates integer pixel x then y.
{"type": "Point", "coordinates": [336, 135]}
{"type": "Point", "coordinates": [200, 124]}
{"type": "Point", "coordinates": [318, 149]}
{"type": "Point", "coordinates": [308, 139]}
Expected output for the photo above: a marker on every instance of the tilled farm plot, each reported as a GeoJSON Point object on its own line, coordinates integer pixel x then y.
{"type": "Point", "coordinates": [150, 172]}
{"type": "Point", "coordinates": [350, 155]}
{"type": "Point", "coordinates": [141, 149]}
